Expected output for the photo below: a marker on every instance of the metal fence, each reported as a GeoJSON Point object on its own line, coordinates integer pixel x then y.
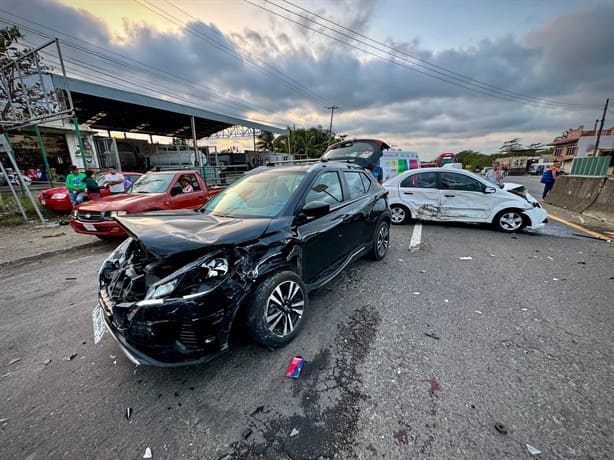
{"type": "Point", "coordinates": [597, 167]}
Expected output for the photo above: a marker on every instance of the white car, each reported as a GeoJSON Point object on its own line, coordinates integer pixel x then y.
{"type": "Point", "coordinates": [453, 195]}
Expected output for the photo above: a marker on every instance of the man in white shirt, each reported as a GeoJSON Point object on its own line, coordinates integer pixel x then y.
{"type": "Point", "coordinates": [114, 180]}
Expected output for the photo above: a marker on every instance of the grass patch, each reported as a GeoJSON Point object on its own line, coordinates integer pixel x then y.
{"type": "Point", "coordinates": [10, 215]}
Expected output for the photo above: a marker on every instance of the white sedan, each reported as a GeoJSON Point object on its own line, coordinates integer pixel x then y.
{"type": "Point", "coordinates": [453, 195]}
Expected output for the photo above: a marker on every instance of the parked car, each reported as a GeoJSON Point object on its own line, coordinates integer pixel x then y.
{"type": "Point", "coordinates": [170, 293]}
{"type": "Point", "coordinates": [58, 200]}
{"type": "Point", "coordinates": [151, 192]}
{"type": "Point", "coordinates": [453, 195]}
{"type": "Point", "coordinates": [13, 179]}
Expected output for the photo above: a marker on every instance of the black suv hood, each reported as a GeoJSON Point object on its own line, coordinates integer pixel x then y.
{"type": "Point", "coordinates": [166, 234]}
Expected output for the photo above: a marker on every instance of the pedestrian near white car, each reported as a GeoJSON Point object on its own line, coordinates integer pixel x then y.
{"type": "Point", "coordinates": [453, 195]}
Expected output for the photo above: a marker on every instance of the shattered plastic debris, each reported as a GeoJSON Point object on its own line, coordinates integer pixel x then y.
{"type": "Point", "coordinates": [466, 258]}
{"type": "Point", "coordinates": [533, 450]}
{"type": "Point", "coordinates": [500, 427]}
{"type": "Point", "coordinates": [550, 259]}
{"type": "Point", "coordinates": [128, 413]}
{"type": "Point", "coordinates": [445, 300]}
{"type": "Point", "coordinates": [246, 432]}
{"type": "Point", "coordinates": [295, 367]}
{"type": "Point", "coordinates": [46, 362]}
{"type": "Point", "coordinates": [478, 312]}
{"type": "Point", "coordinates": [71, 357]}
{"type": "Point", "coordinates": [2, 420]}
{"type": "Point", "coordinates": [13, 361]}
{"type": "Point", "coordinates": [148, 453]}
{"type": "Point", "coordinates": [71, 278]}
{"type": "Point", "coordinates": [432, 335]}
{"type": "Point", "coordinates": [257, 411]}
{"type": "Point", "coordinates": [422, 271]}
{"type": "Point", "coordinates": [416, 293]}
{"type": "Point", "coordinates": [294, 432]}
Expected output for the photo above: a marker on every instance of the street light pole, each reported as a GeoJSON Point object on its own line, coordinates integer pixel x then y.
{"type": "Point", "coordinates": [330, 127]}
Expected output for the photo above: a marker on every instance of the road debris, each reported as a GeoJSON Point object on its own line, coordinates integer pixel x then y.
{"type": "Point", "coordinates": [13, 361]}
{"type": "Point", "coordinates": [466, 258]}
{"type": "Point", "coordinates": [295, 367]}
{"type": "Point", "coordinates": [422, 271]}
{"type": "Point", "coordinates": [500, 428]}
{"type": "Point", "coordinates": [71, 278]}
{"type": "Point", "coordinates": [432, 335]}
{"type": "Point", "coordinates": [148, 453]}
{"type": "Point", "coordinates": [533, 450]}
{"type": "Point", "coordinates": [258, 410]}
{"type": "Point", "coordinates": [46, 362]}
{"type": "Point", "coordinates": [416, 293]}
{"type": "Point", "coordinates": [246, 432]}
{"type": "Point", "coordinates": [128, 413]}
{"type": "Point", "coordinates": [294, 432]}
{"type": "Point", "coordinates": [71, 357]}
{"type": "Point", "coordinates": [54, 236]}
{"type": "Point", "coordinates": [478, 312]}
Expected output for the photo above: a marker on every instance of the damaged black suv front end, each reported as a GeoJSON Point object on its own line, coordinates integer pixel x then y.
{"type": "Point", "coordinates": [169, 294]}
{"type": "Point", "coordinates": [166, 312]}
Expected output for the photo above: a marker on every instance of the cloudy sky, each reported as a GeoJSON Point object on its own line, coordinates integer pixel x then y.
{"type": "Point", "coordinates": [425, 75]}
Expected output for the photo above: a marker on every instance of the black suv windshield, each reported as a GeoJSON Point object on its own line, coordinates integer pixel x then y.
{"type": "Point", "coordinates": [259, 195]}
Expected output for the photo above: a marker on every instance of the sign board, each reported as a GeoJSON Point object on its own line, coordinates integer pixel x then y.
{"type": "Point", "coordinates": [394, 162]}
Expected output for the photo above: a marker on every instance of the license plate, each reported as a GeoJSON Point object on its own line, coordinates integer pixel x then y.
{"type": "Point", "coordinates": [89, 227]}
{"type": "Point", "coordinates": [98, 320]}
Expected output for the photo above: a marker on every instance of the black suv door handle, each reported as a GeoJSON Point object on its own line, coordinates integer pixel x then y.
{"type": "Point", "coordinates": [408, 193]}
{"type": "Point", "coordinates": [449, 196]}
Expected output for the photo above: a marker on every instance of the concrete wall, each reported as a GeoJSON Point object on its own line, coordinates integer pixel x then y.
{"type": "Point", "coordinates": [575, 193]}
{"type": "Point", "coordinates": [603, 207]}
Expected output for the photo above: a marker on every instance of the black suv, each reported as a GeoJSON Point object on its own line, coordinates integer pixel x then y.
{"type": "Point", "coordinates": [171, 291]}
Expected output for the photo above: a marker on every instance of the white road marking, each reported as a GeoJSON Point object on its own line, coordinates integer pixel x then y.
{"type": "Point", "coordinates": [414, 243]}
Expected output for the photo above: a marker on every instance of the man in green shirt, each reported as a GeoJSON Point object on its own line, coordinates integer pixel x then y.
{"type": "Point", "coordinates": [75, 183]}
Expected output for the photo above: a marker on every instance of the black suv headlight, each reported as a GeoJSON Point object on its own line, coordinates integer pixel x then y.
{"type": "Point", "coordinates": [193, 280]}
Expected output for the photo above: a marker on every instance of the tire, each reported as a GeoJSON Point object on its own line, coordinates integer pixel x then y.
{"type": "Point", "coordinates": [381, 241]}
{"type": "Point", "coordinates": [400, 214]}
{"type": "Point", "coordinates": [509, 221]}
{"type": "Point", "coordinates": [277, 309]}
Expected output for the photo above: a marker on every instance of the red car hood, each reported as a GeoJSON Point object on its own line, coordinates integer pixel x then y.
{"type": "Point", "coordinates": [129, 202]}
{"type": "Point", "coordinates": [53, 190]}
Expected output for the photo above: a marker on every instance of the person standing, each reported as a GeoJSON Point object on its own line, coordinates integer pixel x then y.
{"type": "Point", "coordinates": [75, 183]}
{"type": "Point", "coordinates": [114, 180]}
{"type": "Point", "coordinates": [549, 177]}
{"type": "Point", "coordinates": [377, 172]}
{"type": "Point", "coordinates": [93, 189]}
{"type": "Point", "coordinates": [493, 175]}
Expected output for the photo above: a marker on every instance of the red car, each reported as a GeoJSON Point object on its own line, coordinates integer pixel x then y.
{"type": "Point", "coordinates": [57, 198]}
{"type": "Point", "coordinates": [152, 192]}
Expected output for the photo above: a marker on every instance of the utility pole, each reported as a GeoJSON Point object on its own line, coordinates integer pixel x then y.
{"type": "Point", "coordinates": [330, 127]}
{"type": "Point", "coordinates": [600, 128]}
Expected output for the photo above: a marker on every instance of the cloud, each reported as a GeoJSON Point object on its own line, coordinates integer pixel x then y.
{"type": "Point", "coordinates": [277, 71]}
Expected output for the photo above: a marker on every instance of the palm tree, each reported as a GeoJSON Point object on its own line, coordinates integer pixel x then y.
{"type": "Point", "coordinates": [265, 141]}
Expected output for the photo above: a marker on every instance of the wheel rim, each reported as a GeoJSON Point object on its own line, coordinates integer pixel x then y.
{"type": "Point", "coordinates": [398, 215]}
{"type": "Point", "coordinates": [383, 240]}
{"type": "Point", "coordinates": [510, 221]}
{"type": "Point", "coordinates": [284, 308]}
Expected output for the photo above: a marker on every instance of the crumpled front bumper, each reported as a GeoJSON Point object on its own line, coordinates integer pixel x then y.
{"type": "Point", "coordinates": [538, 218]}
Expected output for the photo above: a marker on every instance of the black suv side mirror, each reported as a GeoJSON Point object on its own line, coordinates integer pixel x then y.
{"type": "Point", "coordinates": [316, 209]}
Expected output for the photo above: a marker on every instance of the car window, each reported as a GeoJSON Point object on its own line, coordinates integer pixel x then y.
{"type": "Point", "coordinates": [452, 181]}
{"type": "Point", "coordinates": [152, 183]}
{"type": "Point", "coordinates": [326, 188]}
{"type": "Point", "coordinates": [420, 180]}
{"type": "Point", "coordinates": [357, 182]}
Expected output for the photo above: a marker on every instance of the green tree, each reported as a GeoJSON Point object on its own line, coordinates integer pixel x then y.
{"type": "Point", "coordinates": [265, 141]}
{"type": "Point", "coordinates": [511, 146]}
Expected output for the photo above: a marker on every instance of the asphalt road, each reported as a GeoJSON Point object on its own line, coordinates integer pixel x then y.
{"type": "Point", "coordinates": [520, 335]}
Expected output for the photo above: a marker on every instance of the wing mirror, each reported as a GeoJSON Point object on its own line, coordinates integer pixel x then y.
{"type": "Point", "coordinates": [316, 208]}
{"type": "Point", "coordinates": [490, 190]}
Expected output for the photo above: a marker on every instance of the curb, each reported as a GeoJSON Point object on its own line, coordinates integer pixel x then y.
{"type": "Point", "coordinates": [44, 255]}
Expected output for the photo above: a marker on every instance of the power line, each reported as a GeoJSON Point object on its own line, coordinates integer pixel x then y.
{"type": "Point", "coordinates": [444, 75]}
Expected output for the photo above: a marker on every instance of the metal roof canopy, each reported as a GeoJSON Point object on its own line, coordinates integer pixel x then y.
{"type": "Point", "coordinates": [113, 109]}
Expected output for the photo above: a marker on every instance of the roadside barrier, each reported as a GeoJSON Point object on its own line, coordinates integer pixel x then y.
{"type": "Point", "coordinates": [576, 193]}
{"type": "Point", "coordinates": [603, 207]}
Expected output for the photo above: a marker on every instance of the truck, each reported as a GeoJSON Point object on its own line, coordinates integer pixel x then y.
{"type": "Point", "coordinates": [445, 158]}
{"type": "Point", "coordinates": [155, 191]}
